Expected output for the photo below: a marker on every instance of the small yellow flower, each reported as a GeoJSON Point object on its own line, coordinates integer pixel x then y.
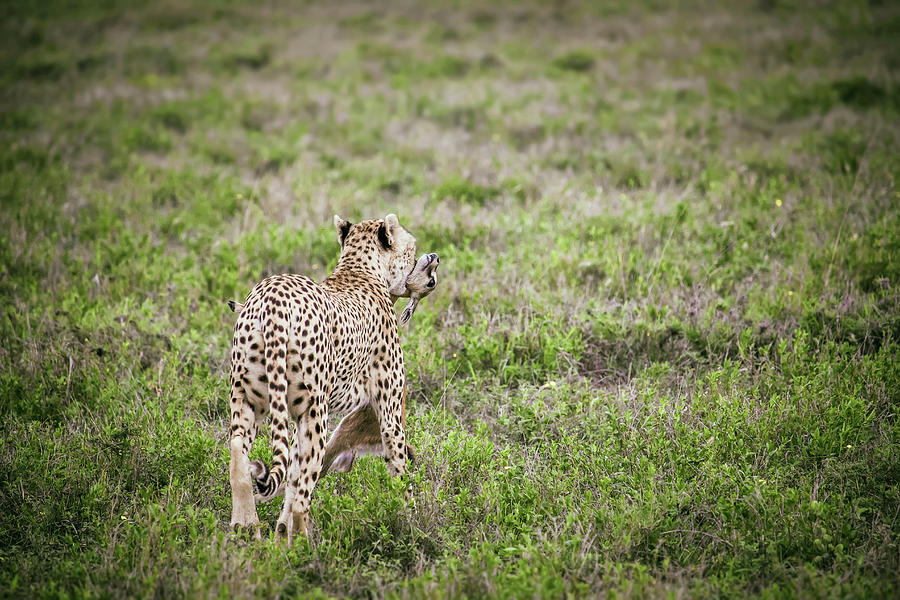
{"type": "Point", "coordinates": [790, 292]}
{"type": "Point", "coordinates": [849, 446]}
{"type": "Point", "coordinates": [778, 202]}
{"type": "Point", "coordinates": [124, 517]}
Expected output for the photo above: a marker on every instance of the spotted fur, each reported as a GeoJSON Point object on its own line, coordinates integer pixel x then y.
{"type": "Point", "coordinates": [359, 433]}
{"type": "Point", "coordinates": [302, 349]}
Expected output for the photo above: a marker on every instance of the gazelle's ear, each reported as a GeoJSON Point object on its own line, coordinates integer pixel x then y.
{"type": "Point", "coordinates": [387, 229]}
{"type": "Point", "coordinates": [343, 228]}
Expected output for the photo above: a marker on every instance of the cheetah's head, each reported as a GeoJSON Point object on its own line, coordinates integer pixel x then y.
{"type": "Point", "coordinates": [381, 245]}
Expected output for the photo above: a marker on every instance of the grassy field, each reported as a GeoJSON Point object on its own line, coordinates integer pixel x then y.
{"type": "Point", "coordinates": [662, 360]}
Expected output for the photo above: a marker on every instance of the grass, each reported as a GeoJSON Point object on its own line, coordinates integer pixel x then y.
{"type": "Point", "coordinates": [662, 360]}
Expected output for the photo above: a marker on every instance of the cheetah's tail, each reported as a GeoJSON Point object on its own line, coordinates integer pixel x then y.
{"type": "Point", "coordinates": [277, 383]}
{"type": "Point", "coordinates": [259, 471]}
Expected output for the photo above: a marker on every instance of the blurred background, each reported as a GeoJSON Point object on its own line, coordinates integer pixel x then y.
{"type": "Point", "coordinates": [661, 359]}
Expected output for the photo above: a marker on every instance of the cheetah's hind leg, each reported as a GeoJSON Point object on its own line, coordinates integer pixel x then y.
{"type": "Point", "coordinates": [243, 430]}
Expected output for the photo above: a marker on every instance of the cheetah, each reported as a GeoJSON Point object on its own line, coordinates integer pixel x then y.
{"type": "Point", "coordinates": [358, 433]}
{"type": "Point", "coordinates": [302, 349]}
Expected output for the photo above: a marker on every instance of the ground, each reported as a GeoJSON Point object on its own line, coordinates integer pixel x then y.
{"type": "Point", "coordinates": [662, 359]}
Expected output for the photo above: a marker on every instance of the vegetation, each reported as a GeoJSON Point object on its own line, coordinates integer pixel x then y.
{"type": "Point", "coordinates": [662, 359]}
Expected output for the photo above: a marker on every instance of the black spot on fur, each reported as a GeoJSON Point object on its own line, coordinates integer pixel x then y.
{"type": "Point", "coordinates": [383, 236]}
{"type": "Point", "coordinates": [345, 229]}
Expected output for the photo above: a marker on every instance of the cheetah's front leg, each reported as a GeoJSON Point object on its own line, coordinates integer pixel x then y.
{"type": "Point", "coordinates": [388, 401]}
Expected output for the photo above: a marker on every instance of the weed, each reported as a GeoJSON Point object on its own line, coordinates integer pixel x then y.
{"type": "Point", "coordinates": [139, 60]}
{"type": "Point", "coordinates": [461, 190]}
{"type": "Point", "coordinates": [249, 55]}
{"type": "Point", "coordinates": [579, 61]}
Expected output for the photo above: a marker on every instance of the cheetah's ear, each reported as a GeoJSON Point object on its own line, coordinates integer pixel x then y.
{"type": "Point", "coordinates": [343, 228]}
{"type": "Point", "coordinates": [387, 229]}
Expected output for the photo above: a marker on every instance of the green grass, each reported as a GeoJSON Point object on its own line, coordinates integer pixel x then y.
{"type": "Point", "coordinates": [662, 359]}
